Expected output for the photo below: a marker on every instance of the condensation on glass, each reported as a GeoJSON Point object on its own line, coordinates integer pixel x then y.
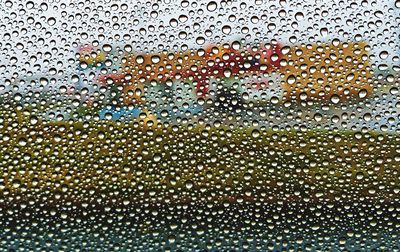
{"type": "Point", "coordinates": [199, 125]}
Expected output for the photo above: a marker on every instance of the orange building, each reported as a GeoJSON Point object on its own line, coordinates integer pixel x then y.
{"type": "Point", "coordinates": [336, 71]}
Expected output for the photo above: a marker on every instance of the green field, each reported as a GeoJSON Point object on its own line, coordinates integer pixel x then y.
{"type": "Point", "coordinates": [176, 163]}
{"type": "Point", "coordinates": [126, 186]}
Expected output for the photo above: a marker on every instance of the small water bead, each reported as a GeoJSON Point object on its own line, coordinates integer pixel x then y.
{"type": "Point", "coordinates": [212, 6]}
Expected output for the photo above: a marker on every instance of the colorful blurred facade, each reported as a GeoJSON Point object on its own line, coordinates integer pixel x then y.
{"type": "Point", "coordinates": [230, 75]}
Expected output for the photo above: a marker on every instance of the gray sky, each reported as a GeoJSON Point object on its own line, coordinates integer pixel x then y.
{"type": "Point", "coordinates": [49, 31]}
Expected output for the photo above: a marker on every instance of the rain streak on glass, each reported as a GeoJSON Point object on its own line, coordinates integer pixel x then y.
{"type": "Point", "coordinates": [177, 125]}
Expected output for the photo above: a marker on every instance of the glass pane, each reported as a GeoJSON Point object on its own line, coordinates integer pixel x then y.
{"type": "Point", "coordinates": [199, 125]}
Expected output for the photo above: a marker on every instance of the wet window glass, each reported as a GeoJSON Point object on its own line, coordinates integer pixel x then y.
{"type": "Point", "coordinates": [180, 125]}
